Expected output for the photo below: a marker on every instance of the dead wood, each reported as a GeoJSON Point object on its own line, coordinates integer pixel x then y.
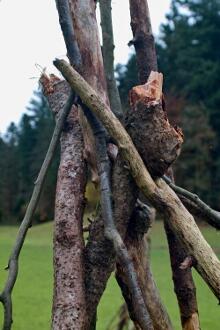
{"type": "Point", "coordinates": [159, 194]}
{"type": "Point", "coordinates": [13, 263]}
{"type": "Point", "coordinates": [143, 39]}
{"type": "Point", "coordinates": [108, 57]}
{"type": "Point", "coordinates": [136, 242]}
{"type": "Point", "coordinates": [158, 143]}
{"type": "Point", "coordinates": [147, 61]}
{"type": "Point", "coordinates": [69, 305]}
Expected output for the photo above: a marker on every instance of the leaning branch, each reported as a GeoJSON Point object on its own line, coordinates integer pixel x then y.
{"type": "Point", "coordinates": [196, 205]}
{"type": "Point", "coordinates": [5, 296]}
{"type": "Point", "coordinates": [108, 56]}
{"type": "Point", "coordinates": [159, 193]}
{"type": "Point", "coordinates": [111, 233]}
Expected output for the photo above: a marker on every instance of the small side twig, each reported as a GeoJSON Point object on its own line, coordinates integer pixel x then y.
{"type": "Point", "coordinates": [5, 296]}
{"type": "Point", "coordinates": [208, 214]}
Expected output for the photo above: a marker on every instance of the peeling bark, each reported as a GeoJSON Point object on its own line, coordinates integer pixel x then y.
{"type": "Point", "coordinates": [69, 303]}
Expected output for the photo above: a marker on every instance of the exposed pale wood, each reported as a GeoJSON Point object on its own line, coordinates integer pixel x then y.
{"type": "Point", "coordinates": [159, 193]}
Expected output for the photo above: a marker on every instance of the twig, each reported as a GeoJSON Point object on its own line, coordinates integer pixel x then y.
{"type": "Point", "coordinates": [13, 262]}
{"type": "Point", "coordinates": [208, 214]}
{"type": "Point", "coordinates": [159, 194]}
{"type": "Point", "coordinates": [108, 57]}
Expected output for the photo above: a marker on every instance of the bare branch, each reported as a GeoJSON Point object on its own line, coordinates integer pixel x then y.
{"type": "Point", "coordinates": [108, 56]}
{"type": "Point", "coordinates": [65, 20]}
{"type": "Point", "coordinates": [197, 206]}
{"type": "Point", "coordinates": [110, 230]}
{"type": "Point", "coordinates": [13, 262]}
{"type": "Point", "coordinates": [104, 174]}
{"type": "Point", "coordinates": [138, 248]}
{"type": "Point", "coordinates": [143, 39]}
{"type": "Point", "coordinates": [159, 194]}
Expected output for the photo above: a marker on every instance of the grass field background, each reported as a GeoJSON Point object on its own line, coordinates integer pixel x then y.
{"type": "Point", "coordinates": [32, 294]}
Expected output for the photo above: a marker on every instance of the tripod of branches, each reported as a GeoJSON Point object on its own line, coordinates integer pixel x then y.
{"type": "Point", "coordinates": [129, 158]}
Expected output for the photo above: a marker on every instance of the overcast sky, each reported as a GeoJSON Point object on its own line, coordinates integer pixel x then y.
{"type": "Point", "coordinates": [30, 35]}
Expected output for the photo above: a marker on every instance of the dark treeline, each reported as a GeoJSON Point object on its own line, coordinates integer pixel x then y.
{"type": "Point", "coordinates": [22, 151]}
{"type": "Point", "coordinates": [189, 56]}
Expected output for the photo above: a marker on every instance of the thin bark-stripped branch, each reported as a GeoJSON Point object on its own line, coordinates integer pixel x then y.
{"type": "Point", "coordinates": [108, 56]}
{"type": "Point", "coordinates": [159, 194]}
{"type": "Point", "coordinates": [199, 207]}
{"type": "Point", "coordinates": [5, 296]}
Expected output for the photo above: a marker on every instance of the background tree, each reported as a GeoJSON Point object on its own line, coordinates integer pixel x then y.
{"type": "Point", "coordinates": [24, 147]}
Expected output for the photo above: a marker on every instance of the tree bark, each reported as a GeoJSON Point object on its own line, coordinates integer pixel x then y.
{"type": "Point", "coordinates": [143, 39]}
{"type": "Point", "coordinates": [157, 141]}
{"type": "Point", "coordinates": [147, 61]}
{"type": "Point", "coordinates": [159, 194]}
{"type": "Point", "coordinates": [108, 57]}
{"type": "Point", "coordinates": [183, 283]}
{"type": "Point", "coordinates": [69, 303]}
{"type": "Point", "coordinates": [136, 242]}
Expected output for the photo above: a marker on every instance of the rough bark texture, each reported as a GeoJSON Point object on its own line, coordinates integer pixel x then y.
{"type": "Point", "coordinates": [137, 247]}
{"type": "Point", "coordinates": [87, 36]}
{"type": "Point", "coordinates": [100, 255]}
{"type": "Point", "coordinates": [69, 304]}
{"type": "Point", "coordinates": [159, 194]}
{"type": "Point", "coordinates": [183, 283]}
{"type": "Point", "coordinates": [157, 141]}
{"type": "Point", "coordinates": [143, 39]}
{"type": "Point", "coordinates": [108, 56]}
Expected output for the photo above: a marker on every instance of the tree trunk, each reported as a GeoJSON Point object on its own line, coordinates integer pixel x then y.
{"type": "Point", "coordinates": [69, 303]}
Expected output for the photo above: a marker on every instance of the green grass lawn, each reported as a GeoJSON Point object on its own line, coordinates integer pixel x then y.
{"type": "Point", "coordinates": [33, 290]}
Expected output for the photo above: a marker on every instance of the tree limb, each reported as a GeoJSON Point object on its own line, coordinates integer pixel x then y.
{"type": "Point", "coordinates": [143, 39]}
{"type": "Point", "coordinates": [108, 56]}
{"type": "Point", "coordinates": [196, 205]}
{"type": "Point", "coordinates": [147, 61]}
{"type": "Point", "coordinates": [5, 296]}
{"type": "Point", "coordinates": [158, 193]}
{"type": "Point", "coordinates": [138, 248]}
